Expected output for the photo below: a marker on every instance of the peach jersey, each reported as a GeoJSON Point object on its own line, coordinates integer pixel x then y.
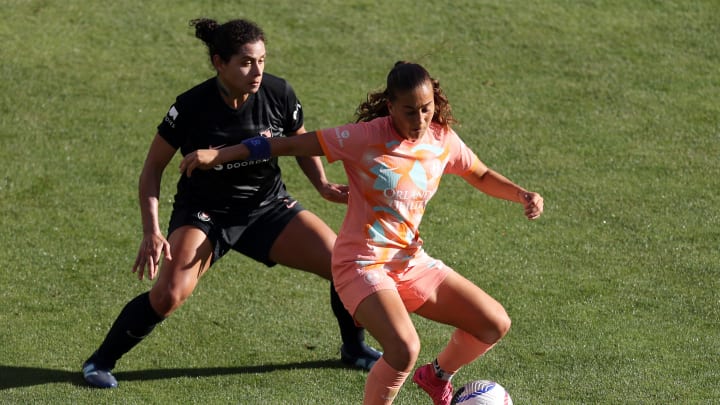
{"type": "Point", "coordinates": [391, 181]}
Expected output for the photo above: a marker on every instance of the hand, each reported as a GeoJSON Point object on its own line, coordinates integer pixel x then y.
{"type": "Point", "coordinates": [534, 205]}
{"type": "Point", "coordinates": [151, 248]}
{"type": "Point", "coordinates": [199, 159]}
{"type": "Point", "coordinates": [337, 193]}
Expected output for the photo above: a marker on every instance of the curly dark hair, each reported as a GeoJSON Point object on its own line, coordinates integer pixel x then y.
{"type": "Point", "coordinates": [403, 77]}
{"type": "Point", "coordinates": [225, 40]}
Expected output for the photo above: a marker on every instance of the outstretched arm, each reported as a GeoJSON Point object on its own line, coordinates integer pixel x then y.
{"type": "Point", "coordinates": [305, 144]}
{"type": "Point", "coordinates": [496, 185]}
{"type": "Point", "coordinates": [313, 169]}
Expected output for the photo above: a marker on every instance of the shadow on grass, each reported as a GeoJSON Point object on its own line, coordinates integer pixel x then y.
{"type": "Point", "coordinates": [16, 376]}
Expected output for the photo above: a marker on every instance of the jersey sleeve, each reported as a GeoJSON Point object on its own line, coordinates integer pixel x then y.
{"type": "Point", "coordinates": [462, 159]}
{"type": "Point", "coordinates": [345, 142]}
{"type": "Point", "coordinates": [171, 127]}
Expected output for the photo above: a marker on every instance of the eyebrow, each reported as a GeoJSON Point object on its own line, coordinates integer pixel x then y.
{"type": "Point", "coordinates": [248, 57]}
{"type": "Point", "coordinates": [412, 107]}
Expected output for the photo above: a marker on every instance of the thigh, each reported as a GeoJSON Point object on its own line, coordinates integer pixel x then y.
{"type": "Point", "coordinates": [383, 314]}
{"type": "Point", "coordinates": [306, 244]}
{"type": "Point", "coordinates": [191, 256]}
{"type": "Point", "coordinates": [462, 304]}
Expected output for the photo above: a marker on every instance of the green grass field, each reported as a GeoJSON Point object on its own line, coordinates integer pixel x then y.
{"type": "Point", "coordinates": [609, 108]}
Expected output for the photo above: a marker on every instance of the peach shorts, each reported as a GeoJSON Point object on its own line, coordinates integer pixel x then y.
{"type": "Point", "coordinates": [415, 281]}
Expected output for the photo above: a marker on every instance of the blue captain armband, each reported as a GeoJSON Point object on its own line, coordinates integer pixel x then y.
{"type": "Point", "coordinates": [259, 148]}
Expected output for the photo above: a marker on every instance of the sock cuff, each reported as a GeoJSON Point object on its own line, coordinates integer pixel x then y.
{"type": "Point", "coordinates": [143, 302]}
{"type": "Point", "coordinates": [440, 373]}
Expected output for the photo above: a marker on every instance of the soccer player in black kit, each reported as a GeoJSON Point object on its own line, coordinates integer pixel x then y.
{"type": "Point", "coordinates": [241, 205]}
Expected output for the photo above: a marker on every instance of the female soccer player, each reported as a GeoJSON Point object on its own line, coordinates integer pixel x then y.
{"type": "Point", "coordinates": [241, 206]}
{"type": "Point", "coordinates": [394, 157]}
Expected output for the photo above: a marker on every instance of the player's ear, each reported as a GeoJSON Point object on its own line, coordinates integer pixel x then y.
{"type": "Point", "coordinates": [217, 62]}
{"type": "Point", "coordinates": [389, 106]}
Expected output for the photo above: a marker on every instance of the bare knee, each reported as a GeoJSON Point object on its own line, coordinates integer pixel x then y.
{"type": "Point", "coordinates": [403, 352]}
{"type": "Point", "coordinates": [502, 325]}
{"type": "Point", "coordinates": [497, 327]}
{"type": "Point", "coordinates": [166, 299]}
{"type": "Point", "coordinates": [490, 329]}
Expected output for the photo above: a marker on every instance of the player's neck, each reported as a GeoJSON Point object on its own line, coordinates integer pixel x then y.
{"type": "Point", "coordinates": [234, 101]}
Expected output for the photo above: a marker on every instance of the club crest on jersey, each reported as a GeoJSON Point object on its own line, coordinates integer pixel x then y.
{"type": "Point", "coordinates": [203, 216]}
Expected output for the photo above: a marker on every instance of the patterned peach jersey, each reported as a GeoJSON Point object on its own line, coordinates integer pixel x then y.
{"type": "Point", "coordinates": [391, 181]}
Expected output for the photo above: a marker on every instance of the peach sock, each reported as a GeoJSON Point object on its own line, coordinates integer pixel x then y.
{"type": "Point", "coordinates": [462, 349]}
{"type": "Point", "coordinates": [383, 383]}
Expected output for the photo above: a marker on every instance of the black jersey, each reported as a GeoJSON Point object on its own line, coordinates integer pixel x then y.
{"type": "Point", "coordinates": [200, 119]}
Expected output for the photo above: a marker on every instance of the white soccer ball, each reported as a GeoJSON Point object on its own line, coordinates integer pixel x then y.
{"type": "Point", "coordinates": [481, 392]}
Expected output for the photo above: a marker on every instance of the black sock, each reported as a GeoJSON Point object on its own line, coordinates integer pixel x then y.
{"type": "Point", "coordinates": [134, 323]}
{"type": "Point", "coordinates": [353, 337]}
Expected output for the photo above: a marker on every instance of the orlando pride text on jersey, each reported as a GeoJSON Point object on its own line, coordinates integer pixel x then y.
{"type": "Point", "coordinates": [200, 119]}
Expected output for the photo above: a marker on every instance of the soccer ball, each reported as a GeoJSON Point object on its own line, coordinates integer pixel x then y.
{"type": "Point", "coordinates": [481, 392]}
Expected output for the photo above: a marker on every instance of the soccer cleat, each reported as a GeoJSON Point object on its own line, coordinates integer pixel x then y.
{"type": "Point", "coordinates": [363, 360]}
{"type": "Point", "coordinates": [440, 391]}
{"type": "Point", "coordinates": [98, 377]}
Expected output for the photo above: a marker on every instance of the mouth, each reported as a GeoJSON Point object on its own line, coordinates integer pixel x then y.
{"type": "Point", "coordinates": [414, 134]}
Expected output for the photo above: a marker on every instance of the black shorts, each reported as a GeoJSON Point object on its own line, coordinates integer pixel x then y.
{"type": "Point", "coordinates": [251, 231]}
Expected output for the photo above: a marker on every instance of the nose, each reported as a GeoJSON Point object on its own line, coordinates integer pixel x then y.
{"type": "Point", "coordinates": [417, 119]}
{"type": "Point", "coordinates": [257, 69]}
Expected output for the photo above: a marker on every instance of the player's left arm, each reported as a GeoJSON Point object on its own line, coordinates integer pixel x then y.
{"type": "Point", "coordinates": [313, 169]}
{"type": "Point", "coordinates": [496, 185]}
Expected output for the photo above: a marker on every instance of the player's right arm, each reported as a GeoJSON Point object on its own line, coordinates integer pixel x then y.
{"type": "Point", "coordinates": [306, 144]}
{"type": "Point", "coordinates": [154, 243]}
